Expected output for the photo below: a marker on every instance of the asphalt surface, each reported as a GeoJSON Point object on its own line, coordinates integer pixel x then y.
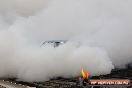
{"type": "Point", "coordinates": [67, 82]}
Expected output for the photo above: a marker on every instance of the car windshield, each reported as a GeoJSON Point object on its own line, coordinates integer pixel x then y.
{"type": "Point", "coordinates": [54, 43]}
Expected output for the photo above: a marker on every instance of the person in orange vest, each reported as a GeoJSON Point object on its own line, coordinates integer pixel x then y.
{"type": "Point", "coordinates": [84, 80]}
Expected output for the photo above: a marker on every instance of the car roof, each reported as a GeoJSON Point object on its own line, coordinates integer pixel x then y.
{"type": "Point", "coordinates": [56, 41]}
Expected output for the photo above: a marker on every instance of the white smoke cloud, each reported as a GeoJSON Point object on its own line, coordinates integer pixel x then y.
{"type": "Point", "coordinates": [102, 28]}
{"type": "Point", "coordinates": [22, 7]}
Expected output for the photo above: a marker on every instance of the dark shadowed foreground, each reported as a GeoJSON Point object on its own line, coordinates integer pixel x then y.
{"type": "Point", "coordinates": [73, 82]}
